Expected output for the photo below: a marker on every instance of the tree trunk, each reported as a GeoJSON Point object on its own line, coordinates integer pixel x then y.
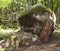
{"type": "Point", "coordinates": [46, 31]}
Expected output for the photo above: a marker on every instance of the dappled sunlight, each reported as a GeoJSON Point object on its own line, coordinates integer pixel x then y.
{"type": "Point", "coordinates": [6, 30]}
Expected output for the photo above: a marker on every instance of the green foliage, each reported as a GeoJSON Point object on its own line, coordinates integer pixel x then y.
{"type": "Point", "coordinates": [2, 49]}
{"type": "Point", "coordinates": [5, 32]}
{"type": "Point", "coordinates": [56, 5]}
{"type": "Point", "coordinates": [2, 34]}
{"type": "Point", "coordinates": [9, 15]}
{"type": "Point", "coordinates": [53, 4]}
{"type": "Point", "coordinates": [4, 3]}
{"type": "Point", "coordinates": [10, 10]}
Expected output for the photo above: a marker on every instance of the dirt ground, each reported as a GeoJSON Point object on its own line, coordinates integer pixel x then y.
{"type": "Point", "coordinates": [53, 45]}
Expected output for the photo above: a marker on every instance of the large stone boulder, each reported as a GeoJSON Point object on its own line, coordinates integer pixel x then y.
{"type": "Point", "coordinates": [34, 19]}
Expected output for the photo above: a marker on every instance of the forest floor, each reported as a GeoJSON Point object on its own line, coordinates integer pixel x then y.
{"type": "Point", "coordinates": [52, 45]}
